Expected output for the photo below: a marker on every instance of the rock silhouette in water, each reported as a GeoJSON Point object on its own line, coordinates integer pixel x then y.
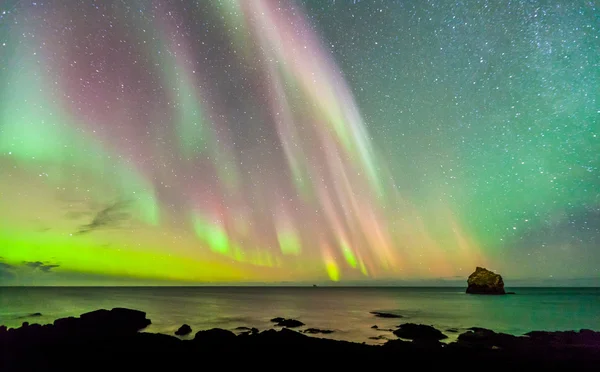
{"type": "Point", "coordinates": [183, 330]}
{"type": "Point", "coordinates": [32, 315]}
{"type": "Point", "coordinates": [483, 281]}
{"type": "Point", "coordinates": [315, 331]}
{"type": "Point", "coordinates": [289, 323]}
{"type": "Point", "coordinates": [380, 314]}
{"type": "Point", "coordinates": [419, 332]}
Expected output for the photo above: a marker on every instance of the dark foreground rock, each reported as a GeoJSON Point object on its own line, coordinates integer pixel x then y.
{"type": "Point", "coordinates": [184, 330]}
{"type": "Point", "coordinates": [214, 337]}
{"type": "Point", "coordinates": [483, 281]}
{"type": "Point", "coordinates": [110, 340]}
{"type": "Point", "coordinates": [419, 332]}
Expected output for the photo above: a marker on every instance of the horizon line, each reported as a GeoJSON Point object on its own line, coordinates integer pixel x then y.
{"type": "Point", "coordinates": [280, 286]}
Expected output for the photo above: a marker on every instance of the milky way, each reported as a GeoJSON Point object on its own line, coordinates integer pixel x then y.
{"type": "Point", "coordinates": [245, 141]}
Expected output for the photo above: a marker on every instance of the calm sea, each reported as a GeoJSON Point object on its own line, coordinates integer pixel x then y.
{"type": "Point", "coordinates": [344, 310]}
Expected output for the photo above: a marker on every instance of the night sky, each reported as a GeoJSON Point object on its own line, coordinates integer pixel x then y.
{"type": "Point", "coordinates": [325, 141]}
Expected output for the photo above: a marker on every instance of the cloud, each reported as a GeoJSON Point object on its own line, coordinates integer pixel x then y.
{"type": "Point", "coordinates": [6, 271]}
{"type": "Point", "coordinates": [38, 265]}
{"type": "Point", "coordinates": [108, 217]}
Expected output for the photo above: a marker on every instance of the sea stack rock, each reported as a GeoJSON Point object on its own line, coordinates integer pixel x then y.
{"type": "Point", "coordinates": [483, 281]}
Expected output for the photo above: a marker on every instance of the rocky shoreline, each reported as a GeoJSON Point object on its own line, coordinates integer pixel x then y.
{"type": "Point", "coordinates": [112, 339]}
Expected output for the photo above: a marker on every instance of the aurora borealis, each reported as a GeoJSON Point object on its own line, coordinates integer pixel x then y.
{"type": "Point", "coordinates": [267, 141]}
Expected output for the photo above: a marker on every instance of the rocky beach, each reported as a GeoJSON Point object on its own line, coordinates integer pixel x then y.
{"type": "Point", "coordinates": [115, 339]}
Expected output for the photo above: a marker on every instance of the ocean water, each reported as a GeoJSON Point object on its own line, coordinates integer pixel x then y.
{"type": "Point", "coordinates": [344, 310]}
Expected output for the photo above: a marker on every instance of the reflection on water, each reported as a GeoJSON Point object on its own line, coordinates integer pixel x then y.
{"type": "Point", "coordinates": [345, 310]}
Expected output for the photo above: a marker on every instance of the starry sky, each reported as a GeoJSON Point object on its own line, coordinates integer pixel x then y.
{"type": "Point", "coordinates": [274, 141]}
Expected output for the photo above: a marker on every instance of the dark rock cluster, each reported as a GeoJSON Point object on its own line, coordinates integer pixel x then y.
{"type": "Point", "coordinates": [110, 340]}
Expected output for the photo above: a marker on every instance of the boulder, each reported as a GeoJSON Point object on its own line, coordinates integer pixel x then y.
{"type": "Point", "coordinates": [183, 330]}
{"type": "Point", "coordinates": [135, 319]}
{"type": "Point", "coordinates": [117, 320]}
{"type": "Point", "coordinates": [483, 281]}
{"type": "Point", "coordinates": [419, 332]}
{"type": "Point", "coordinates": [215, 336]}
{"type": "Point", "coordinates": [484, 338]}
